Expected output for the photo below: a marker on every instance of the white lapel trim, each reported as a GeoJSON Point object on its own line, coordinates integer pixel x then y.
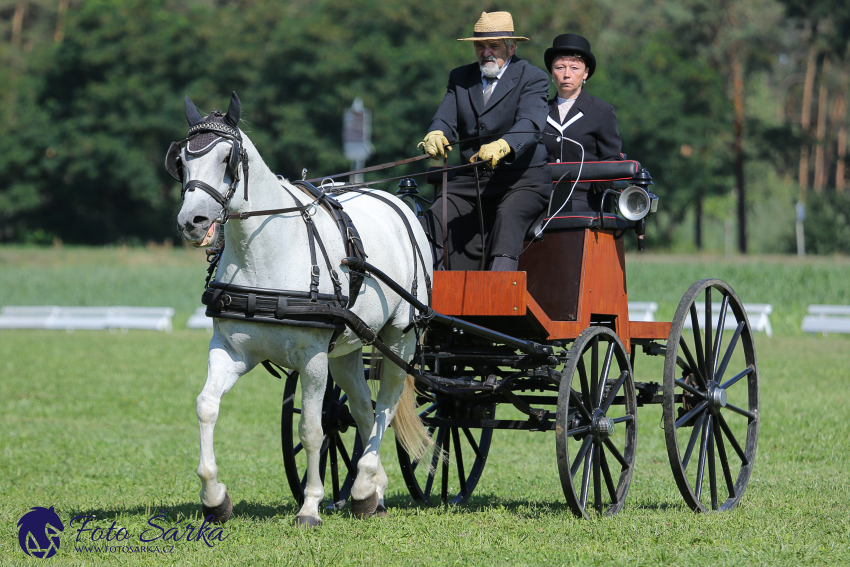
{"type": "Point", "coordinates": [560, 128]}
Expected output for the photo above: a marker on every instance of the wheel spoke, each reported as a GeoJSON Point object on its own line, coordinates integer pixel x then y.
{"type": "Point", "coordinates": [692, 442]}
{"type": "Point", "coordinates": [732, 441]}
{"type": "Point", "coordinates": [685, 386]}
{"type": "Point", "coordinates": [334, 469]}
{"type": "Point", "coordinates": [438, 450]}
{"type": "Point", "coordinates": [616, 453]}
{"type": "Point", "coordinates": [296, 411]}
{"type": "Point", "coordinates": [718, 338]}
{"type": "Point", "coordinates": [724, 462]}
{"type": "Point", "coordinates": [594, 372]}
{"type": "Point", "coordinates": [697, 339]}
{"type": "Point", "coordinates": [709, 356]}
{"type": "Point", "coordinates": [444, 485]}
{"type": "Point", "coordinates": [297, 449]}
{"type": "Point", "coordinates": [712, 473]}
{"type": "Point", "coordinates": [614, 390]}
{"type": "Point", "coordinates": [580, 406]}
{"type": "Point", "coordinates": [749, 370]}
{"type": "Point", "coordinates": [691, 365]}
{"type": "Point", "coordinates": [703, 446]}
{"type": "Point", "coordinates": [696, 409]}
{"type": "Point", "coordinates": [459, 459]}
{"type": "Point", "coordinates": [740, 411]}
{"type": "Point", "coordinates": [344, 454]}
{"type": "Point", "coordinates": [415, 463]}
{"type": "Point", "coordinates": [323, 459]}
{"type": "Point", "coordinates": [472, 443]}
{"type": "Point", "coordinates": [603, 377]}
{"type": "Point", "coordinates": [585, 477]}
{"type": "Point", "coordinates": [609, 482]}
{"type": "Point", "coordinates": [430, 409]}
{"type": "Point", "coordinates": [582, 374]}
{"type": "Point", "coordinates": [729, 350]}
{"type": "Point", "coordinates": [585, 445]}
{"type": "Point", "coordinates": [579, 431]}
{"type": "Point", "coordinates": [623, 419]}
{"type": "Point", "coordinates": [597, 481]}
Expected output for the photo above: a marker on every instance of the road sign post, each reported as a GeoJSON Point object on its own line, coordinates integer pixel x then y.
{"type": "Point", "coordinates": [357, 137]}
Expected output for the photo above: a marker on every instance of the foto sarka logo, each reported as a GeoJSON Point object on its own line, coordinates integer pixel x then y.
{"type": "Point", "coordinates": [38, 532]}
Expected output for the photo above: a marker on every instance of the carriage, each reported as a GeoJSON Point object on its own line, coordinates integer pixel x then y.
{"type": "Point", "coordinates": [554, 343]}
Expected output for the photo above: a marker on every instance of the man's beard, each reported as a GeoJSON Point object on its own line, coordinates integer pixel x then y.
{"type": "Point", "coordinates": [490, 68]}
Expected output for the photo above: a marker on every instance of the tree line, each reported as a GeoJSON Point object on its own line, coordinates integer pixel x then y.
{"type": "Point", "coordinates": [737, 108]}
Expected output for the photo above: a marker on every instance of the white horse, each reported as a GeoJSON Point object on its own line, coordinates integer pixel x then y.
{"type": "Point", "coordinates": [272, 252]}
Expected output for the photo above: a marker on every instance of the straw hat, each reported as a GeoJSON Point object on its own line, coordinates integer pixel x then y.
{"type": "Point", "coordinates": [495, 25]}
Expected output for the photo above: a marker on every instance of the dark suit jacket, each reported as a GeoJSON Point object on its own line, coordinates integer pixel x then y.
{"type": "Point", "coordinates": [595, 130]}
{"type": "Point", "coordinates": [516, 112]}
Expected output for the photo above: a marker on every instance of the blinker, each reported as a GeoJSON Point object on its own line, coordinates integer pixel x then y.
{"type": "Point", "coordinates": [173, 161]}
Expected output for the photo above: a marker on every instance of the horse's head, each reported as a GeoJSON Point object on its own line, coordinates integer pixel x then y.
{"type": "Point", "coordinates": [208, 159]}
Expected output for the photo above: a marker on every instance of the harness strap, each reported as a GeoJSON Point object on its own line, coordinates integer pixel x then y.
{"type": "Point", "coordinates": [350, 237]}
{"type": "Point", "coordinates": [209, 189]}
{"type": "Point", "coordinates": [395, 207]}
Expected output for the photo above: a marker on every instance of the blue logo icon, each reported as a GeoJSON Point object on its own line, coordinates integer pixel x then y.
{"type": "Point", "coordinates": [38, 532]}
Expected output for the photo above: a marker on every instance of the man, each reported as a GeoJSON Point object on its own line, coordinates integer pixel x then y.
{"type": "Point", "coordinates": [495, 108]}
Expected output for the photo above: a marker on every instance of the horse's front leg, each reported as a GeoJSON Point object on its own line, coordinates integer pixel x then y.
{"type": "Point", "coordinates": [313, 381]}
{"type": "Point", "coordinates": [223, 370]}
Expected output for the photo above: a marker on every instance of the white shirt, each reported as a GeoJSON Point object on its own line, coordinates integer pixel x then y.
{"type": "Point", "coordinates": [564, 106]}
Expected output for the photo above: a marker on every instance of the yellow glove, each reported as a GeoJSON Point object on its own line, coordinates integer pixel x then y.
{"type": "Point", "coordinates": [494, 151]}
{"type": "Point", "coordinates": [434, 144]}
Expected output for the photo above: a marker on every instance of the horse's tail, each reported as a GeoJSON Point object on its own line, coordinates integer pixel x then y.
{"type": "Point", "coordinates": [407, 426]}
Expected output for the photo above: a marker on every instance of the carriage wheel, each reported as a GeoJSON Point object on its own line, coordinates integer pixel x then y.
{"type": "Point", "coordinates": [596, 428]}
{"type": "Point", "coordinates": [711, 398]}
{"type": "Point", "coordinates": [341, 445]}
{"type": "Point", "coordinates": [449, 472]}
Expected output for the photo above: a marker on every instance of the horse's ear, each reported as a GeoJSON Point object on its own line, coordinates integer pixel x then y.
{"type": "Point", "coordinates": [192, 115]}
{"type": "Point", "coordinates": [234, 111]}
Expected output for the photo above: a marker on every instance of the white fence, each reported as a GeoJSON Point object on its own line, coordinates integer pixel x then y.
{"type": "Point", "coordinates": [827, 319]}
{"type": "Point", "coordinates": [86, 318]}
{"type": "Point", "coordinates": [199, 321]}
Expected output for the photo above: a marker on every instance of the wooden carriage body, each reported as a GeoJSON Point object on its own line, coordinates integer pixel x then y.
{"type": "Point", "coordinates": [569, 280]}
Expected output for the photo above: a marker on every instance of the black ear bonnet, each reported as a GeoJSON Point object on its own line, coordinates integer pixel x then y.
{"type": "Point", "coordinates": [204, 134]}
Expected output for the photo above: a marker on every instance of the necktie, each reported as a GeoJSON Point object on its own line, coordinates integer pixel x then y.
{"type": "Point", "coordinates": [488, 90]}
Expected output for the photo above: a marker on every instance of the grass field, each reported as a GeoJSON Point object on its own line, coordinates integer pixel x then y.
{"type": "Point", "coordinates": [104, 424]}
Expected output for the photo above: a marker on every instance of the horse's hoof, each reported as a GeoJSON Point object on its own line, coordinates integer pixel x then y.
{"type": "Point", "coordinates": [365, 508]}
{"type": "Point", "coordinates": [307, 522]}
{"type": "Point", "coordinates": [381, 511]}
{"type": "Point", "coordinates": [220, 513]}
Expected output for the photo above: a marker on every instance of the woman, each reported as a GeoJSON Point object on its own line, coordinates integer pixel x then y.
{"type": "Point", "coordinates": [576, 115]}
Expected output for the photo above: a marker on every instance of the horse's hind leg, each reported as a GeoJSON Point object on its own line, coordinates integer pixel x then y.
{"type": "Point", "coordinates": [347, 372]}
{"type": "Point", "coordinates": [371, 483]}
{"type": "Point", "coordinates": [222, 373]}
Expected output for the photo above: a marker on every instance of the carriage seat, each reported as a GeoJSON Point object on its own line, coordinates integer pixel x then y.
{"type": "Point", "coordinates": [594, 171]}
{"type": "Point", "coordinates": [581, 220]}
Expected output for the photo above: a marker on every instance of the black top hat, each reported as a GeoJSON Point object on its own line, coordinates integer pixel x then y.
{"type": "Point", "coordinates": [570, 44]}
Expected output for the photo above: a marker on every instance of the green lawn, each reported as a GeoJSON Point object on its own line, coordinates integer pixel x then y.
{"type": "Point", "coordinates": [98, 423]}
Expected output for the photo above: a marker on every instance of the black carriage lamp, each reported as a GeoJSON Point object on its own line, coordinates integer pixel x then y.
{"type": "Point", "coordinates": [407, 187]}
{"type": "Point", "coordinates": [408, 192]}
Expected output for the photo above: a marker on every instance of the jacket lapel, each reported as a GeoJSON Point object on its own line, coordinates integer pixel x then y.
{"type": "Point", "coordinates": [476, 91]}
{"type": "Point", "coordinates": [574, 109]}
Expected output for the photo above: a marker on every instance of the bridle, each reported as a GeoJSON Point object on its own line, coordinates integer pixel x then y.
{"type": "Point", "coordinates": [174, 162]}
